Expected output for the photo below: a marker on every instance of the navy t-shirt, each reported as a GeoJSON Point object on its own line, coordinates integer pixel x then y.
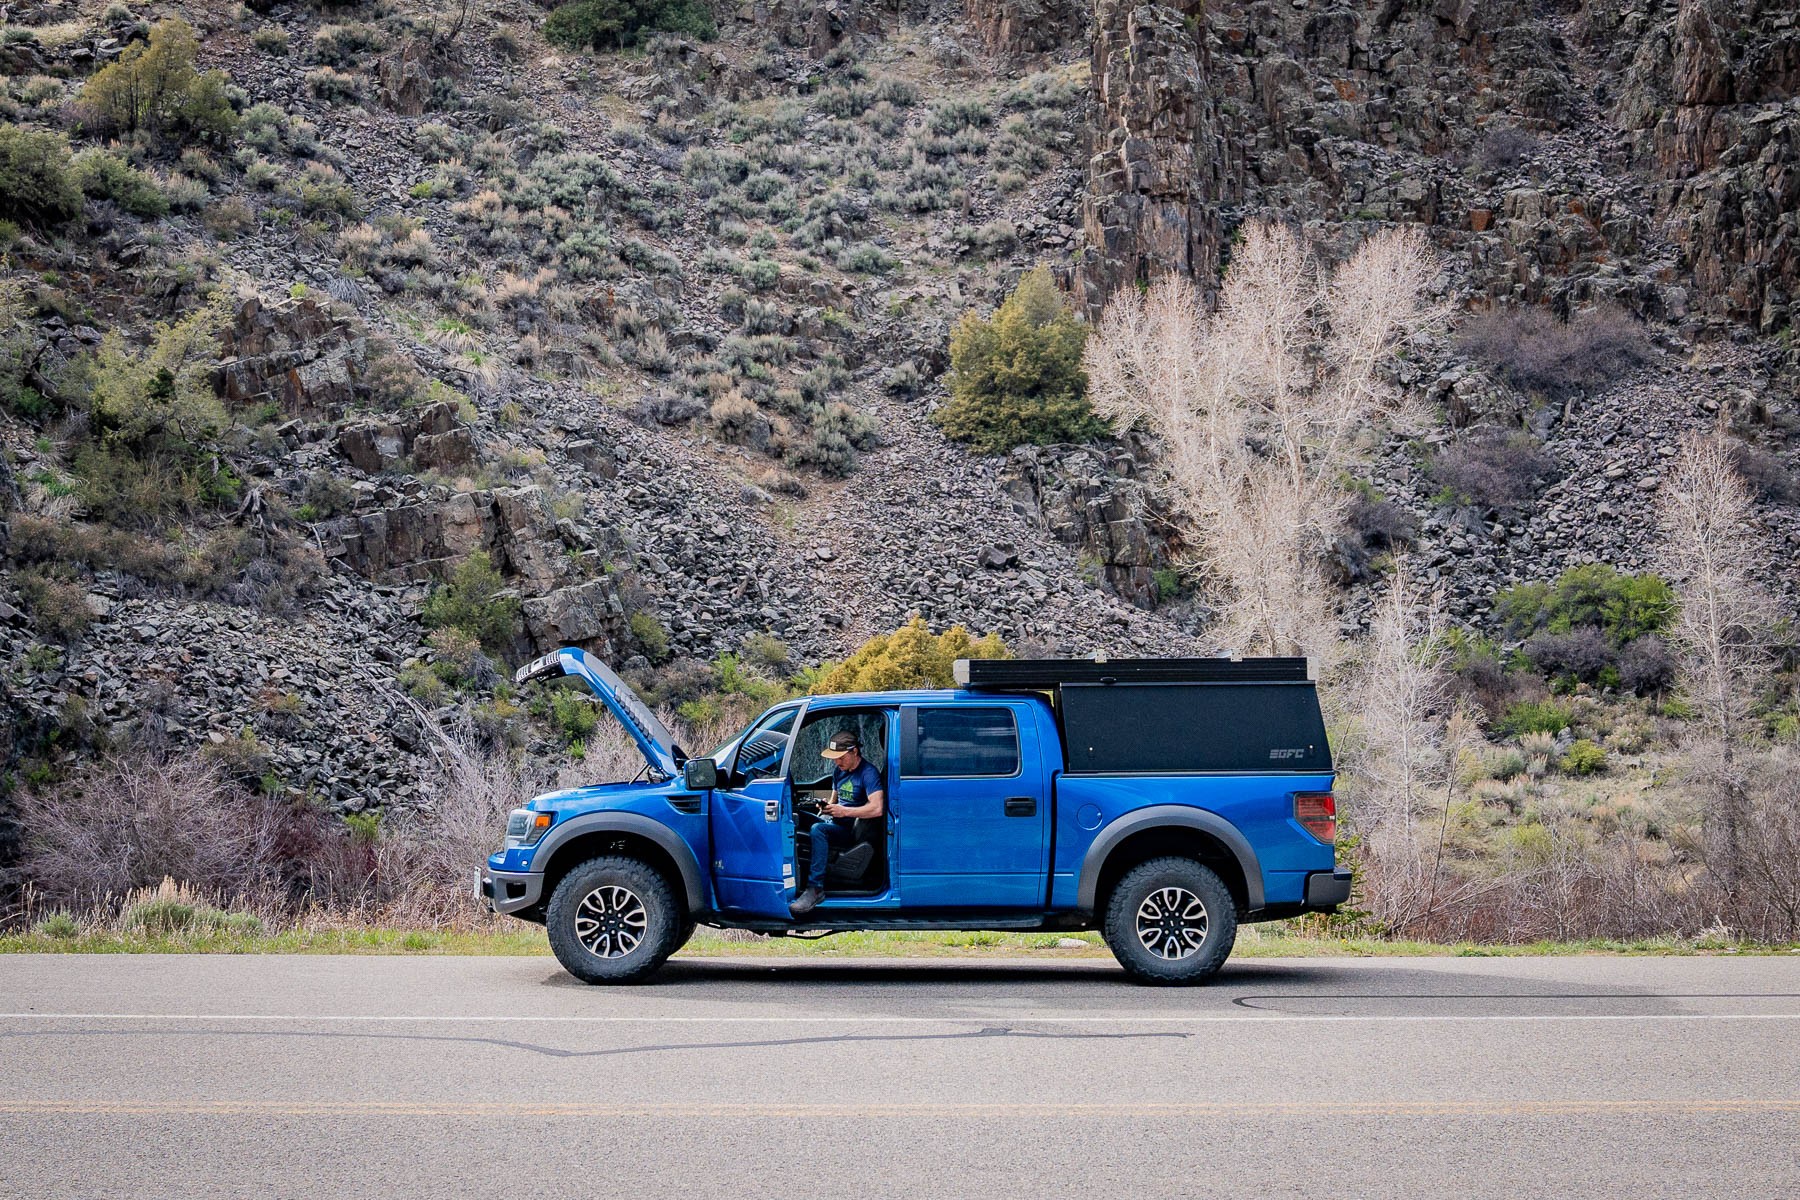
{"type": "Point", "coordinates": [851, 788]}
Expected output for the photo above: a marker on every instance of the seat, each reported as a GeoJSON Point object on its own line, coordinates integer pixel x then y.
{"type": "Point", "coordinates": [851, 864]}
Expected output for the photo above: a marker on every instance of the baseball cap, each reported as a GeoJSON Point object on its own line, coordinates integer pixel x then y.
{"type": "Point", "coordinates": [840, 745]}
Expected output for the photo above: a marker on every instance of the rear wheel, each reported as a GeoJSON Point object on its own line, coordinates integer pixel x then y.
{"type": "Point", "coordinates": [614, 920]}
{"type": "Point", "coordinates": [1171, 921]}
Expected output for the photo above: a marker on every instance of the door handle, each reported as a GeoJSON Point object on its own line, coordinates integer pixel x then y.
{"type": "Point", "coordinates": [1021, 806]}
{"type": "Point", "coordinates": [771, 810]}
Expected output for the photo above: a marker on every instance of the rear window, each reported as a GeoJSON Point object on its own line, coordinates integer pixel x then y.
{"type": "Point", "coordinates": [961, 741]}
{"type": "Point", "coordinates": [1141, 728]}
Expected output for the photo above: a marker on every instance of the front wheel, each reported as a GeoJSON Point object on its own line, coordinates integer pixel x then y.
{"type": "Point", "coordinates": [614, 920]}
{"type": "Point", "coordinates": [1170, 921]}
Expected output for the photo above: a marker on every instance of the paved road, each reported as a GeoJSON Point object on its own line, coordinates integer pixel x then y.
{"type": "Point", "coordinates": [127, 1076]}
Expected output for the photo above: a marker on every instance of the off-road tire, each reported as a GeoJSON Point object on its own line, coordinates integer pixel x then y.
{"type": "Point", "coordinates": [587, 894]}
{"type": "Point", "coordinates": [1174, 877]}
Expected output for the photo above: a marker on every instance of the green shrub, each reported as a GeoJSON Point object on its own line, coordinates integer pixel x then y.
{"type": "Point", "coordinates": [154, 87]}
{"type": "Point", "coordinates": [1533, 716]}
{"type": "Point", "coordinates": [1624, 607]}
{"type": "Point", "coordinates": [910, 657]}
{"type": "Point", "coordinates": [616, 24]}
{"type": "Point", "coordinates": [574, 715]}
{"type": "Point", "coordinates": [650, 636]}
{"type": "Point", "coordinates": [767, 651]}
{"type": "Point", "coordinates": [364, 827]}
{"type": "Point", "coordinates": [137, 488]}
{"type": "Point", "coordinates": [831, 444]}
{"type": "Point", "coordinates": [472, 601]}
{"type": "Point", "coordinates": [36, 185]}
{"type": "Point", "coordinates": [1583, 757]}
{"type": "Point", "coordinates": [106, 176]}
{"type": "Point", "coordinates": [59, 925]}
{"type": "Point", "coordinates": [1017, 378]}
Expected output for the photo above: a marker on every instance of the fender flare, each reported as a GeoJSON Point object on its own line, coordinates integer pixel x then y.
{"type": "Point", "coordinates": [623, 822]}
{"type": "Point", "coordinates": [1163, 816]}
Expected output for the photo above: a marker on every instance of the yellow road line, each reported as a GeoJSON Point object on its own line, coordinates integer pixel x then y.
{"type": "Point", "coordinates": [702, 1110]}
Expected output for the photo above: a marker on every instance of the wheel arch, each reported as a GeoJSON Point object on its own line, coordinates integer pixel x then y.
{"type": "Point", "coordinates": [1170, 829]}
{"type": "Point", "coordinates": [629, 834]}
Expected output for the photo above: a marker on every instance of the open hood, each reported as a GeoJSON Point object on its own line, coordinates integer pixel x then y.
{"type": "Point", "coordinates": [651, 735]}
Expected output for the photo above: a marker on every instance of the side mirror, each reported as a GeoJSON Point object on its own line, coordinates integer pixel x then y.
{"type": "Point", "coordinates": [700, 774]}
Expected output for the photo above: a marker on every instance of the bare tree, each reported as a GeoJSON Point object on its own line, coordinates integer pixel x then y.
{"type": "Point", "coordinates": [1707, 517]}
{"type": "Point", "coordinates": [1398, 770]}
{"type": "Point", "coordinates": [1261, 406]}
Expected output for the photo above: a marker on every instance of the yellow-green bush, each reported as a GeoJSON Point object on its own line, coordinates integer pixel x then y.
{"type": "Point", "coordinates": [36, 185]}
{"type": "Point", "coordinates": [154, 88]}
{"type": "Point", "coordinates": [910, 657]}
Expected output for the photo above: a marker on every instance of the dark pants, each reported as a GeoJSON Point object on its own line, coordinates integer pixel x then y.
{"type": "Point", "coordinates": [826, 834]}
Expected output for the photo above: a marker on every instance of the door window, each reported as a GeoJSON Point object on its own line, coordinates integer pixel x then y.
{"type": "Point", "coordinates": [963, 742]}
{"type": "Point", "coordinates": [761, 752]}
{"type": "Point", "coordinates": [870, 727]}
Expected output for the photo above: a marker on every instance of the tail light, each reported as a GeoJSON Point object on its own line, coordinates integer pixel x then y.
{"type": "Point", "coordinates": [1317, 814]}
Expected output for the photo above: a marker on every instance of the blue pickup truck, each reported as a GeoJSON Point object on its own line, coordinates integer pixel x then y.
{"type": "Point", "coordinates": [1161, 802]}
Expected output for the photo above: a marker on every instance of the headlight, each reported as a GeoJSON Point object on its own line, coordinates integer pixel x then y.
{"type": "Point", "coordinates": [526, 828]}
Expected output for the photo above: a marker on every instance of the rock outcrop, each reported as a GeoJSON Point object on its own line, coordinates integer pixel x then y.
{"type": "Point", "coordinates": [1091, 498]}
{"type": "Point", "coordinates": [1159, 171]}
{"type": "Point", "coordinates": [431, 438]}
{"type": "Point", "coordinates": [294, 354]}
{"type": "Point", "coordinates": [1027, 26]}
{"type": "Point", "coordinates": [1708, 108]}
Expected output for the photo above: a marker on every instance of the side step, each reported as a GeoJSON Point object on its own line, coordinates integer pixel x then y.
{"type": "Point", "coordinates": [872, 923]}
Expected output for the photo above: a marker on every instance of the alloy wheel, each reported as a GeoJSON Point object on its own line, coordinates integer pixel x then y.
{"type": "Point", "coordinates": [610, 921]}
{"type": "Point", "coordinates": [1171, 922]}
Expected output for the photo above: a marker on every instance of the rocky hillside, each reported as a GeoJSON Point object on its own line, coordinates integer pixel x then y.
{"type": "Point", "coordinates": [657, 334]}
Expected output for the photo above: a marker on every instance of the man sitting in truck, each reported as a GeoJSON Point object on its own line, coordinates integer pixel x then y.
{"type": "Point", "coordinates": [857, 791]}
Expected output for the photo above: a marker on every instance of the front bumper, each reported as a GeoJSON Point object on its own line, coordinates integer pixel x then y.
{"type": "Point", "coordinates": [1325, 890]}
{"type": "Point", "coordinates": [509, 891]}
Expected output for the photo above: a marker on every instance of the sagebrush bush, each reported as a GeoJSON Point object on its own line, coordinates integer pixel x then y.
{"type": "Point", "coordinates": [344, 45]}
{"type": "Point", "coordinates": [1535, 352]}
{"type": "Point", "coordinates": [835, 436]}
{"type": "Point", "coordinates": [37, 186]}
{"type": "Point", "coordinates": [334, 87]}
{"type": "Point", "coordinates": [106, 176]}
{"type": "Point", "coordinates": [1492, 469]}
{"type": "Point", "coordinates": [271, 39]}
{"type": "Point", "coordinates": [1017, 378]}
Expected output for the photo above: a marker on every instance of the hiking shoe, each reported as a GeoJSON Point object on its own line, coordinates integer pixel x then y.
{"type": "Point", "coordinates": [806, 901]}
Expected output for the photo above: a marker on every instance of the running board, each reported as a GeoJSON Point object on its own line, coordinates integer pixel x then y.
{"type": "Point", "coordinates": [874, 924]}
